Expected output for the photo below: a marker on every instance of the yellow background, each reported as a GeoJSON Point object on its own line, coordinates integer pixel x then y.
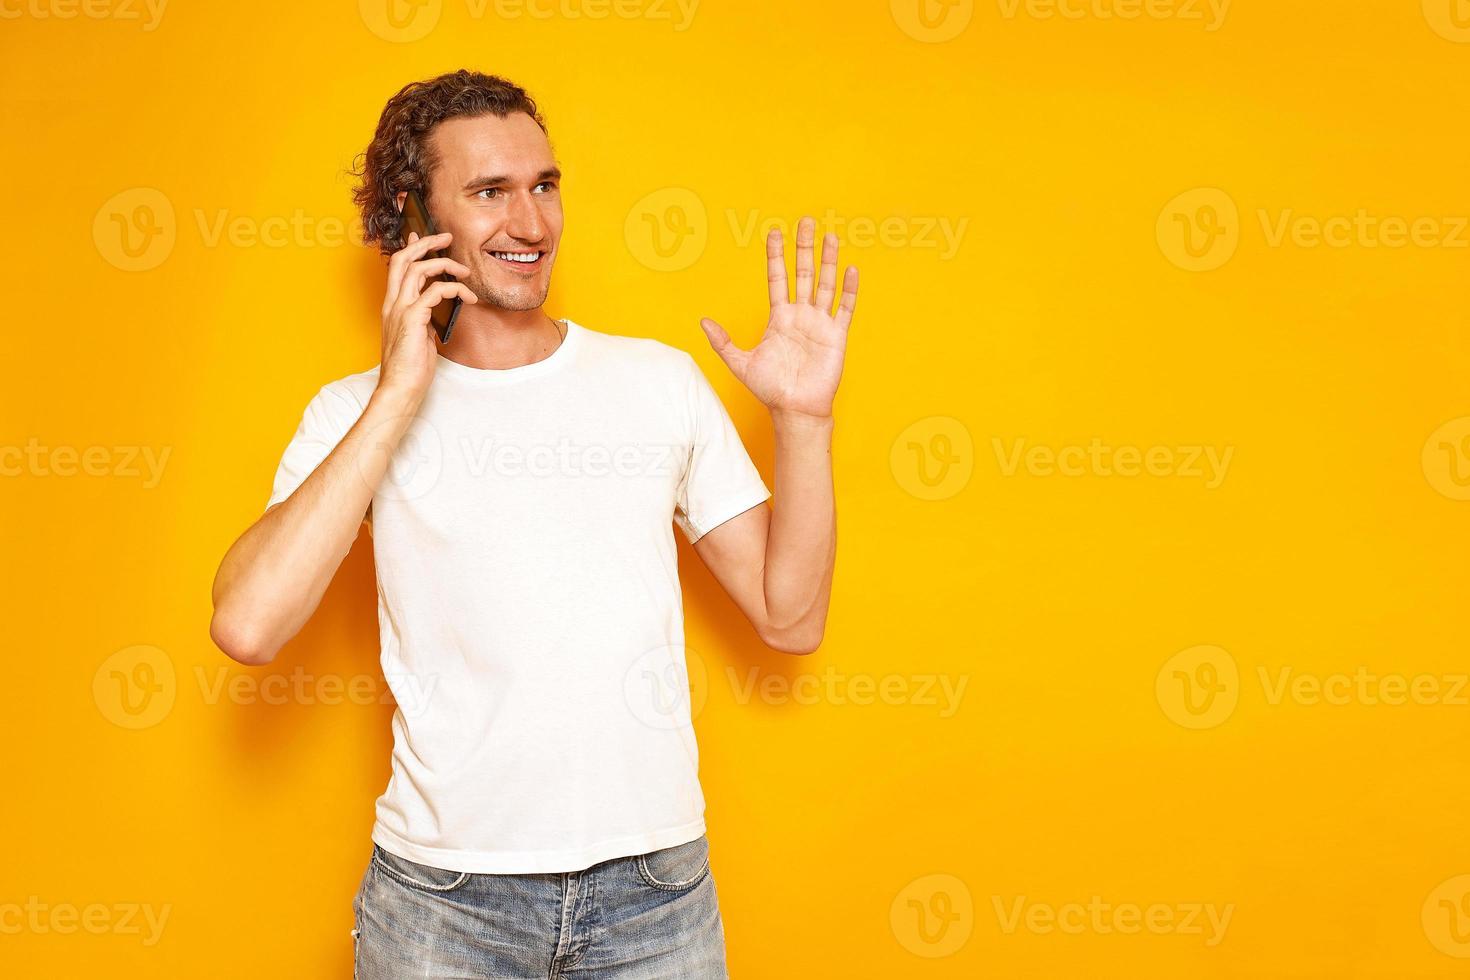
{"type": "Point", "coordinates": [1075, 764]}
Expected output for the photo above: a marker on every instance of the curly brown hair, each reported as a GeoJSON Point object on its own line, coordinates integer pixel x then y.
{"type": "Point", "coordinates": [399, 158]}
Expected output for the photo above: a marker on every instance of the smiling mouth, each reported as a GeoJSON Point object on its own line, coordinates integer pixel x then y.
{"type": "Point", "coordinates": [520, 259]}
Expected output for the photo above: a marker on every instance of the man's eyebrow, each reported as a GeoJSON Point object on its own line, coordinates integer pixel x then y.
{"type": "Point", "coordinates": [475, 183]}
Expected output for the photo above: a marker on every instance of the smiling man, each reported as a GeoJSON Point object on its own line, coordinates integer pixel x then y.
{"type": "Point", "coordinates": [521, 484]}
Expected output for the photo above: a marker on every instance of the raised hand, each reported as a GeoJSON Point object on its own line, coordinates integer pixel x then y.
{"type": "Point", "coordinates": [797, 364]}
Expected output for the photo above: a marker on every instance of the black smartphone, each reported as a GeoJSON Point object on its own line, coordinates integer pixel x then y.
{"type": "Point", "coordinates": [415, 217]}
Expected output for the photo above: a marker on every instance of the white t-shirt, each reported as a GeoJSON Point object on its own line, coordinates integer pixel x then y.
{"type": "Point", "coordinates": [529, 607]}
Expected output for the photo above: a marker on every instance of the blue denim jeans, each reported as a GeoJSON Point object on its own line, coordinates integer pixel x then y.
{"type": "Point", "coordinates": [651, 916]}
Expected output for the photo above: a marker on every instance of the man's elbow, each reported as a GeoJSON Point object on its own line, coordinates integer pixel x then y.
{"type": "Point", "coordinates": [794, 641]}
{"type": "Point", "coordinates": [240, 643]}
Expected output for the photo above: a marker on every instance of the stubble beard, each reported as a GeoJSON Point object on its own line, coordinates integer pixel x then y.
{"type": "Point", "coordinates": [530, 296]}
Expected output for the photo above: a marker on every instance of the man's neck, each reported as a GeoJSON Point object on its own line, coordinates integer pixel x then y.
{"type": "Point", "coordinates": [500, 339]}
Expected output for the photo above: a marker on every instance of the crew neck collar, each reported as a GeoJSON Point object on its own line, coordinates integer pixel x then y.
{"type": "Point", "coordinates": [499, 376]}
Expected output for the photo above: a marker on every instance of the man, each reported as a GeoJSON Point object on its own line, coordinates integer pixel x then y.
{"type": "Point", "coordinates": [521, 484]}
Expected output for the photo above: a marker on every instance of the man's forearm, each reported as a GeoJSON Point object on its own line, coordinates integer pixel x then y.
{"type": "Point", "coordinates": [802, 546]}
{"type": "Point", "coordinates": [274, 576]}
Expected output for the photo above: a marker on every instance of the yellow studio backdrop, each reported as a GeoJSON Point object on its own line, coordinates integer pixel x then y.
{"type": "Point", "coordinates": [1147, 650]}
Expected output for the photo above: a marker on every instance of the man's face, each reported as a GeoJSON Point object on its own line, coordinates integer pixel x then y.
{"type": "Point", "coordinates": [497, 189]}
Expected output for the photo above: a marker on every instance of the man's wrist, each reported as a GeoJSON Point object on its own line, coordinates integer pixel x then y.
{"type": "Point", "coordinates": [800, 421]}
{"type": "Point", "coordinates": [400, 399]}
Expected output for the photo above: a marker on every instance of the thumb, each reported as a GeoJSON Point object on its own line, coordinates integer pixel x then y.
{"type": "Point", "coordinates": [734, 358]}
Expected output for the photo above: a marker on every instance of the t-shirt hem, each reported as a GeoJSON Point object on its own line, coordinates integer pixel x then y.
{"type": "Point", "coordinates": [536, 862]}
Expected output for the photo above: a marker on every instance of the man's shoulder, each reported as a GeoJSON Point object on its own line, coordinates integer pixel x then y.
{"type": "Point", "coordinates": [645, 353]}
{"type": "Point", "coordinates": [339, 402]}
{"type": "Point", "coordinates": [354, 389]}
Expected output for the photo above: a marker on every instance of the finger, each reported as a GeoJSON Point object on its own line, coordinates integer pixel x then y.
{"type": "Point", "coordinates": [399, 262]}
{"type": "Point", "coordinates": [776, 267]}
{"type": "Point", "coordinates": [827, 283]}
{"type": "Point", "coordinates": [416, 248]}
{"type": "Point", "coordinates": [440, 291]}
{"type": "Point", "coordinates": [390, 295]}
{"type": "Point", "coordinates": [806, 267]}
{"type": "Point", "coordinates": [735, 358]}
{"type": "Point", "coordinates": [420, 272]}
{"type": "Point", "coordinates": [849, 297]}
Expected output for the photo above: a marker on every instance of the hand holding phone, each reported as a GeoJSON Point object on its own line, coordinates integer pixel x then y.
{"type": "Point", "coordinates": [414, 290]}
{"type": "Point", "coordinates": [414, 217]}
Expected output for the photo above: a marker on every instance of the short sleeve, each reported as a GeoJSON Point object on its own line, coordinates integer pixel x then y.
{"type": "Point", "coordinates": [326, 420]}
{"type": "Point", "coordinates": [720, 480]}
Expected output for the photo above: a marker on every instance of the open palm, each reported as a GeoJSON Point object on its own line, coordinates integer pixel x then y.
{"type": "Point", "coordinates": [797, 364]}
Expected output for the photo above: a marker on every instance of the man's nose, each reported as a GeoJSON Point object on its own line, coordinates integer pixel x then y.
{"type": "Point", "coordinates": [524, 221]}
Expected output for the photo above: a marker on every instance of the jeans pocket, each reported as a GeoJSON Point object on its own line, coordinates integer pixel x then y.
{"type": "Point", "coordinates": [415, 875]}
{"type": "Point", "coordinates": [675, 868]}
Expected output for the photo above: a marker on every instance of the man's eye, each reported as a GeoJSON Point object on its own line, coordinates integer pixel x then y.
{"type": "Point", "coordinates": [549, 185]}
{"type": "Point", "coordinates": [490, 190]}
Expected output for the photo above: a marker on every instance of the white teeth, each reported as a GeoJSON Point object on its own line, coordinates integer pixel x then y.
{"type": "Point", "coordinates": [517, 256]}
